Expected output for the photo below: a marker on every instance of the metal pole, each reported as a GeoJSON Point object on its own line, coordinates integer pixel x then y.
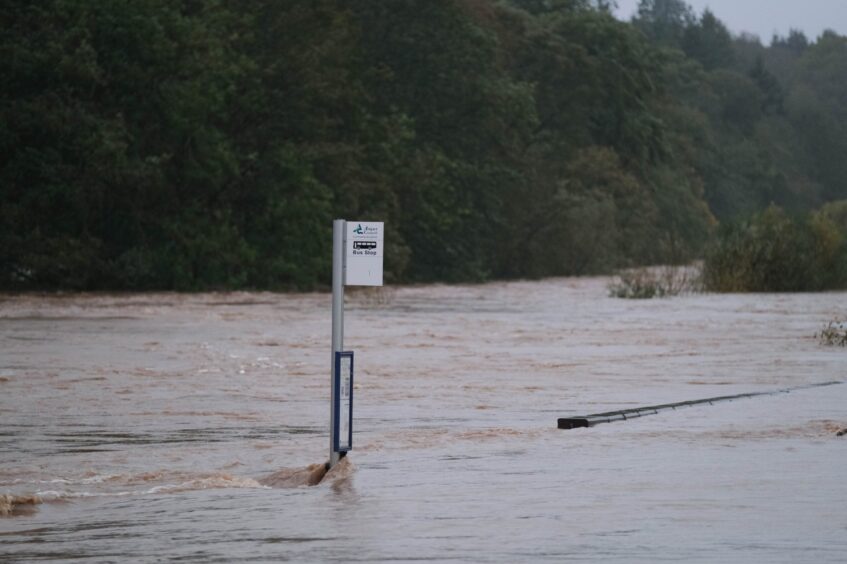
{"type": "Point", "coordinates": [339, 227]}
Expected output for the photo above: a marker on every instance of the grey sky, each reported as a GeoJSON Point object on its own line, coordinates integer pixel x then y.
{"type": "Point", "coordinates": [764, 17]}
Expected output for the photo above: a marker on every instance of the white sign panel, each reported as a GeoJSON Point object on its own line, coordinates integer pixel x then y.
{"type": "Point", "coordinates": [363, 255]}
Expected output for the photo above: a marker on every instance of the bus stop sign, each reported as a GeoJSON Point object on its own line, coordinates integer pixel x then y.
{"type": "Point", "coordinates": [363, 253]}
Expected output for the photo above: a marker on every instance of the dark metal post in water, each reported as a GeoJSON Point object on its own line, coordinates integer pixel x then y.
{"type": "Point", "coordinates": [339, 227]}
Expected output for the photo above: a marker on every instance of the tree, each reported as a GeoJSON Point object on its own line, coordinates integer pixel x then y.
{"type": "Point", "coordinates": [796, 41]}
{"type": "Point", "coordinates": [664, 21]}
{"type": "Point", "coordinates": [436, 66]}
{"type": "Point", "coordinates": [708, 41]}
{"type": "Point", "coordinates": [773, 97]}
{"type": "Point", "coordinates": [107, 106]}
{"type": "Point", "coordinates": [191, 145]}
{"type": "Point", "coordinates": [816, 108]}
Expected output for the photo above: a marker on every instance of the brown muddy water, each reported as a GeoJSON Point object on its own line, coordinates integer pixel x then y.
{"type": "Point", "coordinates": [156, 427]}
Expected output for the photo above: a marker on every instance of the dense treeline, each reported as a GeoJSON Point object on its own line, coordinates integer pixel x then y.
{"type": "Point", "coordinates": [190, 144]}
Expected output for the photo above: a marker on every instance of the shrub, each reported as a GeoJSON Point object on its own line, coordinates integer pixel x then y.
{"type": "Point", "coordinates": [773, 252]}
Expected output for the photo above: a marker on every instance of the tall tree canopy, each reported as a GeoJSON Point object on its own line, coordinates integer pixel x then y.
{"type": "Point", "coordinates": [161, 144]}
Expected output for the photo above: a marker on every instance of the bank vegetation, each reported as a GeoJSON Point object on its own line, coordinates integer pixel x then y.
{"type": "Point", "coordinates": [190, 145]}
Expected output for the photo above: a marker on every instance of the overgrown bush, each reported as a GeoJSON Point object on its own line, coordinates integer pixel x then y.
{"type": "Point", "coordinates": [773, 252]}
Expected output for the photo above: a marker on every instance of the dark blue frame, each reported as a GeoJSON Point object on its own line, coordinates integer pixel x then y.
{"type": "Point", "coordinates": [337, 402]}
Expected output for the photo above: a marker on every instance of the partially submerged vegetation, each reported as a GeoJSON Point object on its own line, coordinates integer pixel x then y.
{"type": "Point", "coordinates": [772, 251]}
{"type": "Point", "coordinates": [834, 334]}
{"type": "Point", "coordinates": [656, 282]}
{"type": "Point", "coordinates": [776, 252]}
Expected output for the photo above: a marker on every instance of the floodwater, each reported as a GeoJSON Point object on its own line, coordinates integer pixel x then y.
{"type": "Point", "coordinates": [167, 426]}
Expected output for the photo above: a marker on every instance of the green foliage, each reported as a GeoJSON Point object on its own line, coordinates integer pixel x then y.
{"type": "Point", "coordinates": [153, 144]}
{"type": "Point", "coordinates": [773, 97]}
{"type": "Point", "coordinates": [709, 42]}
{"type": "Point", "coordinates": [773, 252]}
{"type": "Point", "coordinates": [664, 21]}
{"type": "Point", "coordinates": [433, 63]}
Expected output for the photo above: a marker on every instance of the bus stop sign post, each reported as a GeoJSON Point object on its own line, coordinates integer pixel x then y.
{"type": "Point", "coordinates": [357, 253]}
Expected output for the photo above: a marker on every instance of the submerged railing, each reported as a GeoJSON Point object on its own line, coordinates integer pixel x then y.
{"type": "Point", "coordinates": [624, 414]}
